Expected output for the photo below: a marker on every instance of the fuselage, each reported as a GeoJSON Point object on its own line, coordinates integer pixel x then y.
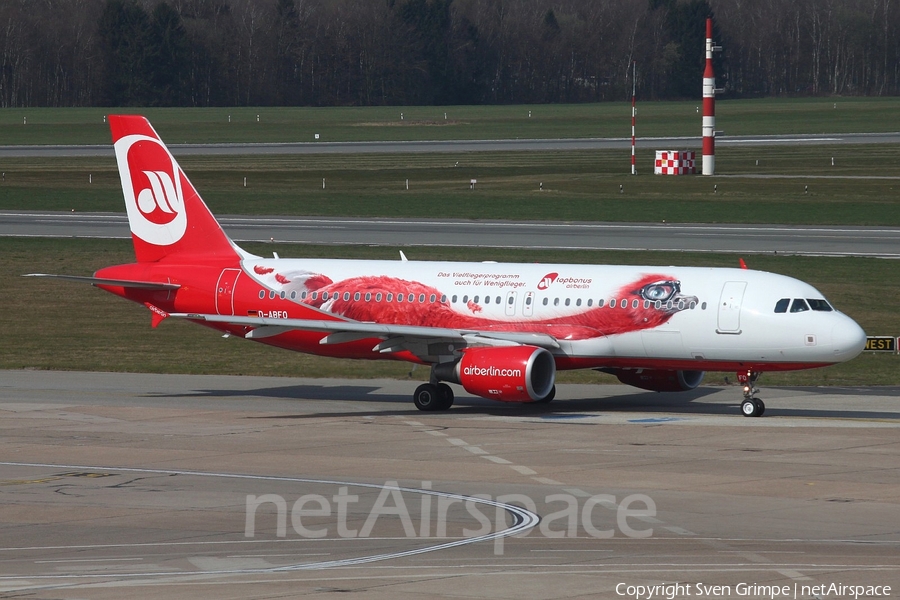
{"type": "Point", "coordinates": [601, 315]}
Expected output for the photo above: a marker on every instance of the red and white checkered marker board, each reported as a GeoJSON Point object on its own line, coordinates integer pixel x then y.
{"type": "Point", "coordinates": [675, 162]}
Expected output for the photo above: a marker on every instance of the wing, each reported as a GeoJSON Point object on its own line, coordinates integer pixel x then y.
{"type": "Point", "coordinates": [395, 338]}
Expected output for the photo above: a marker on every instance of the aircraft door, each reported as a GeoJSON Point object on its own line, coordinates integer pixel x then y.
{"type": "Point", "coordinates": [730, 307]}
{"type": "Point", "coordinates": [225, 291]}
{"type": "Point", "coordinates": [510, 304]}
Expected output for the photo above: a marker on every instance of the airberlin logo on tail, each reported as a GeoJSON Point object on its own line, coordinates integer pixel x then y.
{"type": "Point", "coordinates": [547, 280]}
{"type": "Point", "coordinates": [151, 182]}
{"type": "Point", "coordinates": [158, 202]}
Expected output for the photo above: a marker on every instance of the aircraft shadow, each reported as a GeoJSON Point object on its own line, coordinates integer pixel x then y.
{"type": "Point", "coordinates": [652, 403]}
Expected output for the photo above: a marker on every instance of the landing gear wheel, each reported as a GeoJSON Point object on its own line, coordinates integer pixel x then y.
{"type": "Point", "coordinates": [753, 407]}
{"type": "Point", "coordinates": [760, 406]}
{"type": "Point", "coordinates": [548, 398]}
{"type": "Point", "coordinates": [427, 397]}
{"type": "Point", "coordinates": [445, 394]}
{"type": "Point", "coordinates": [430, 397]}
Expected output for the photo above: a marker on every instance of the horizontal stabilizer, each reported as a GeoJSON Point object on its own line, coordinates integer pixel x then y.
{"type": "Point", "coordinates": [142, 285]}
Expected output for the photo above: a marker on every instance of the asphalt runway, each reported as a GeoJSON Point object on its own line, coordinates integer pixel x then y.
{"type": "Point", "coordinates": [171, 486]}
{"type": "Point", "coordinates": [743, 239]}
{"type": "Point", "coordinates": [400, 147]}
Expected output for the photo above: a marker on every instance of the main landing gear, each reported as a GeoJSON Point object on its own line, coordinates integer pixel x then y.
{"type": "Point", "coordinates": [751, 406]}
{"type": "Point", "coordinates": [433, 396]}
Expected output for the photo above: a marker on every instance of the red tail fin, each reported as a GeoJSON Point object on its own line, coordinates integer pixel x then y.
{"type": "Point", "coordinates": [165, 212]}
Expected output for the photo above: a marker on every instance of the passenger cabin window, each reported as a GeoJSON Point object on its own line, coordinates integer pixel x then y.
{"type": "Point", "coordinates": [782, 305]}
{"type": "Point", "coordinates": [799, 305]}
{"type": "Point", "coordinates": [819, 305]}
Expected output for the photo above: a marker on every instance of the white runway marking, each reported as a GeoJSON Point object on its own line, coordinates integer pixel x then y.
{"type": "Point", "coordinates": [523, 521]}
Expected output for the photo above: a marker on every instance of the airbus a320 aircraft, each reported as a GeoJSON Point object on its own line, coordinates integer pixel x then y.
{"type": "Point", "coordinates": [500, 330]}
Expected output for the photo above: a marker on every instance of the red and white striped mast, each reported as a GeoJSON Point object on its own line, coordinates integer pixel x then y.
{"type": "Point", "coordinates": [633, 111]}
{"type": "Point", "coordinates": [709, 106]}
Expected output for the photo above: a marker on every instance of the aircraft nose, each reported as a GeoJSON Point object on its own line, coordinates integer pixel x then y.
{"type": "Point", "coordinates": [848, 339]}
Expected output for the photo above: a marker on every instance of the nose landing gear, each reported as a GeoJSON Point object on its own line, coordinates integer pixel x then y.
{"type": "Point", "coordinates": [751, 406]}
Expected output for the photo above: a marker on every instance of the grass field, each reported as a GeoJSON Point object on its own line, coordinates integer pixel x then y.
{"type": "Point", "coordinates": [577, 186]}
{"type": "Point", "coordinates": [57, 325]}
{"type": "Point", "coordinates": [582, 186]}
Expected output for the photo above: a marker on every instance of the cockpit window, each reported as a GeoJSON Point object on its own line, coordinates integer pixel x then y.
{"type": "Point", "coordinates": [782, 305]}
{"type": "Point", "coordinates": [799, 305]}
{"type": "Point", "coordinates": [819, 304]}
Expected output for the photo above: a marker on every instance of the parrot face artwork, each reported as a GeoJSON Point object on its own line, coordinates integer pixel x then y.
{"type": "Point", "coordinates": [499, 330]}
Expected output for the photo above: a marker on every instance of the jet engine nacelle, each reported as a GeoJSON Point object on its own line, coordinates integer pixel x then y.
{"type": "Point", "coordinates": [658, 380]}
{"type": "Point", "coordinates": [509, 373]}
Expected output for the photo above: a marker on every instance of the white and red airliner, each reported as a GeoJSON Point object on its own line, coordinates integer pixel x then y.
{"type": "Point", "coordinates": [501, 330]}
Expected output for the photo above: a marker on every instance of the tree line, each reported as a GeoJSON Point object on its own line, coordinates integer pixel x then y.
{"type": "Point", "coordinates": [419, 52]}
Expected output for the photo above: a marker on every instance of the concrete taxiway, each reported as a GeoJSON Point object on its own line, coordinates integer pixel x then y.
{"type": "Point", "coordinates": [746, 239]}
{"type": "Point", "coordinates": [415, 147]}
{"type": "Point", "coordinates": [118, 485]}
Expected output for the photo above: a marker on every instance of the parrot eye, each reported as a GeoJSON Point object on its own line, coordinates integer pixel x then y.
{"type": "Point", "coordinates": [661, 291]}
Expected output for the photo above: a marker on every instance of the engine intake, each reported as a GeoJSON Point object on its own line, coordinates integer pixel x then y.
{"type": "Point", "coordinates": [658, 380]}
{"type": "Point", "coordinates": [508, 374]}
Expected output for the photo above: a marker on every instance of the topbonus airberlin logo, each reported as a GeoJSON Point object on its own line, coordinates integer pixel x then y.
{"type": "Point", "coordinates": [547, 280]}
{"type": "Point", "coordinates": [151, 183]}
